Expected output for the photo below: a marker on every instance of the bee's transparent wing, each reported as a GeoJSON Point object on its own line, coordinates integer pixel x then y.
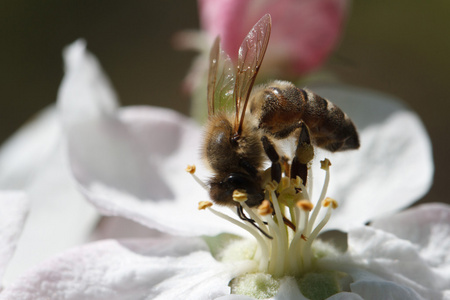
{"type": "Point", "coordinates": [221, 80]}
{"type": "Point", "coordinates": [251, 54]}
{"type": "Point", "coordinates": [224, 94]}
{"type": "Point", "coordinates": [212, 74]}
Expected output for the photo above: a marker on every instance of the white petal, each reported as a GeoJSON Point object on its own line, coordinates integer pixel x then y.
{"type": "Point", "coordinates": [392, 169]}
{"type": "Point", "coordinates": [24, 154]}
{"type": "Point", "coordinates": [427, 227]}
{"type": "Point", "coordinates": [345, 296]}
{"type": "Point", "coordinates": [371, 287]}
{"type": "Point", "coordinates": [395, 260]}
{"type": "Point", "coordinates": [235, 297]}
{"type": "Point", "coordinates": [102, 149]}
{"type": "Point", "coordinates": [176, 269]}
{"type": "Point", "coordinates": [14, 208]}
{"type": "Point", "coordinates": [121, 228]}
{"type": "Point", "coordinates": [85, 92]}
{"type": "Point", "coordinates": [99, 143]}
{"type": "Point", "coordinates": [34, 160]}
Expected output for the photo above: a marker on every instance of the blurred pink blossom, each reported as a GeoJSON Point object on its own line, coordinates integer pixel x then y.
{"type": "Point", "coordinates": [304, 32]}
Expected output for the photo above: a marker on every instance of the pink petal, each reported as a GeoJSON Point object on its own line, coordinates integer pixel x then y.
{"type": "Point", "coordinates": [303, 33]}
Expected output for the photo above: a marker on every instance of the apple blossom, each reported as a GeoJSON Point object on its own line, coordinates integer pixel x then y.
{"type": "Point", "coordinates": [130, 162]}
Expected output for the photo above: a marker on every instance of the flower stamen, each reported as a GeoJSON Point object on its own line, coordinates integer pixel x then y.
{"type": "Point", "coordinates": [289, 216]}
{"type": "Point", "coordinates": [240, 196]}
{"type": "Point", "coordinates": [265, 209]}
{"type": "Point", "coordinates": [204, 204]}
{"type": "Point", "coordinates": [305, 205]}
{"type": "Point", "coordinates": [325, 165]}
{"type": "Point", "coordinates": [191, 170]}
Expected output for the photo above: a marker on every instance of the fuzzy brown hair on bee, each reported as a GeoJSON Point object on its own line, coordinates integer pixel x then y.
{"type": "Point", "coordinates": [238, 141]}
{"type": "Point", "coordinates": [235, 161]}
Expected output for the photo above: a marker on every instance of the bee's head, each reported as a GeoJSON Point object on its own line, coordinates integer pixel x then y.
{"type": "Point", "coordinates": [221, 191]}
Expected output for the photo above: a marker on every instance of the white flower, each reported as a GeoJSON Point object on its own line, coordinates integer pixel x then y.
{"type": "Point", "coordinates": [130, 162]}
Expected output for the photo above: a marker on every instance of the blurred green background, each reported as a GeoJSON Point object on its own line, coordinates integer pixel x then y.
{"type": "Point", "coordinates": [398, 47]}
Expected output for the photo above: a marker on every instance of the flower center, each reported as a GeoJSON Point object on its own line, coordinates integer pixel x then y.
{"type": "Point", "coordinates": [284, 225]}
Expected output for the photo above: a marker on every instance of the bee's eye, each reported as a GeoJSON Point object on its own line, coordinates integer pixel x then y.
{"type": "Point", "coordinates": [238, 180]}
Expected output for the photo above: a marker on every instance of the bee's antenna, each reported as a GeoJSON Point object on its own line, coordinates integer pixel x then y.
{"type": "Point", "coordinates": [242, 216]}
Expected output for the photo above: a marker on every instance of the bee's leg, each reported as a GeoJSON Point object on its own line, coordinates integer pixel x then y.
{"type": "Point", "coordinates": [272, 154]}
{"type": "Point", "coordinates": [242, 216]}
{"type": "Point", "coordinates": [303, 154]}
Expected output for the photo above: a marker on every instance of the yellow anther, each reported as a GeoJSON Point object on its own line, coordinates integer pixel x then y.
{"type": "Point", "coordinates": [271, 186]}
{"type": "Point", "coordinates": [190, 169]}
{"type": "Point", "coordinates": [285, 183]}
{"type": "Point", "coordinates": [240, 195]}
{"type": "Point", "coordinates": [325, 164]}
{"type": "Point", "coordinates": [305, 205]}
{"type": "Point", "coordinates": [296, 182]}
{"type": "Point", "coordinates": [204, 204]}
{"type": "Point", "coordinates": [265, 208]}
{"type": "Point", "coordinates": [330, 201]}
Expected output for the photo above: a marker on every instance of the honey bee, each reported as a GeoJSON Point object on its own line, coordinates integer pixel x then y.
{"type": "Point", "coordinates": [239, 140]}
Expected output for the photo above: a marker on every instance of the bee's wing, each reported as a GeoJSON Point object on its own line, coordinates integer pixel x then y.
{"type": "Point", "coordinates": [220, 80]}
{"type": "Point", "coordinates": [212, 74]}
{"type": "Point", "coordinates": [251, 54]}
